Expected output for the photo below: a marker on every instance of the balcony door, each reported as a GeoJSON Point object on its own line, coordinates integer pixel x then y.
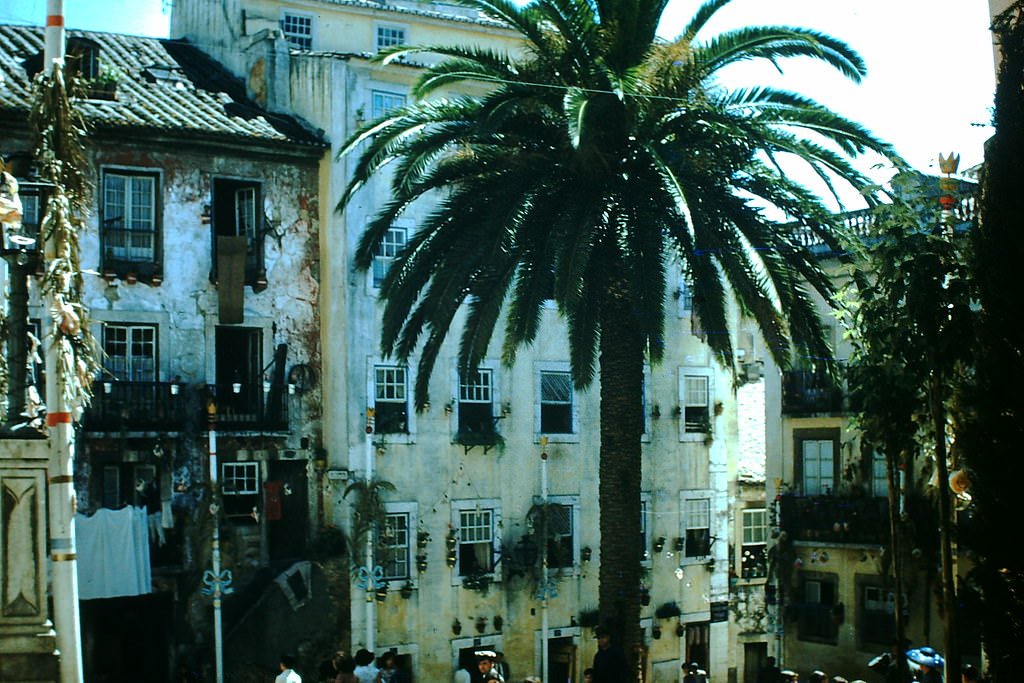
{"type": "Point", "coordinates": [239, 365]}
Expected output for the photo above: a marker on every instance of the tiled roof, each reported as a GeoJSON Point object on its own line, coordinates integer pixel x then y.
{"type": "Point", "coordinates": [446, 11]}
{"type": "Point", "coordinates": [166, 86]}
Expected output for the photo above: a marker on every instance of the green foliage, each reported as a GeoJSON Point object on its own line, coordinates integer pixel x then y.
{"type": "Point", "coordinates": [60, 130]}
{"type": "Point", "coordinates": [910, 317]}
{"type": "Point", "coordinates": [605, 156]}
{"type": "Point", "coordinates": [368, 510]}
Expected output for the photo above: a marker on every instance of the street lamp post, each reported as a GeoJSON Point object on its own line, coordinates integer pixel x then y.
{"type": "Point", "coordinates": [218, 581]}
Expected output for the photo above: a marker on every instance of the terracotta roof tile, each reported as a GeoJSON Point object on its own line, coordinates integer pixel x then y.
{"type": "Point", "coordinates": [167, 86]}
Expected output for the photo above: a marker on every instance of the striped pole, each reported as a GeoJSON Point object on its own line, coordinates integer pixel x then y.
{"type": "Point", "coordinates": [62, 503]}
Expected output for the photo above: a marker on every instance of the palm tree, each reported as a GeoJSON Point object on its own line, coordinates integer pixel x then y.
{"type": "Point", "coordinates": [604, 153]}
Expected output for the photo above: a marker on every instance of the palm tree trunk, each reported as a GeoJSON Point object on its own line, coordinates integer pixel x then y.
{"type": "Point", "coordinates": [621, 371]}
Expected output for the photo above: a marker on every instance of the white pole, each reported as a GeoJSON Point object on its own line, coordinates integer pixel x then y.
{"type": "Point", "coordinates": [544, 654]}
{"type": "Point", "coordinates": [63, 550]}
{"type": "Point", "coordinates": [218, 626]}
{"type": "Point", "coordinates": [371, 613]}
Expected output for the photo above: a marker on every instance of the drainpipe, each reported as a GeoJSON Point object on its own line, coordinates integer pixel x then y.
{"type": "Point", "coordinates": [544, 654]}
{"type": "Point", "coordinates": [215, 581]}
{"type": "Point", "coordinates": [62, 503]}
{"type": "Point", "coordinates": [371, 609]}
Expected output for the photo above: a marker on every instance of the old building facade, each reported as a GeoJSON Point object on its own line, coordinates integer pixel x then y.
{"type": "Point", "coordinates": [200, 255]}
{"type": "Point", "coordinates": [455, 568]}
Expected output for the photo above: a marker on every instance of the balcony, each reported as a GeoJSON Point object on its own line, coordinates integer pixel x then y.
{"type": "Point", "coordinates": [136, 407]}
{"type": "Point", "coordinates": [835, 519]}
{"type": "Point", "coordinates": [809, 392]}
{"type": "Point", "coordinates": [251, 406]}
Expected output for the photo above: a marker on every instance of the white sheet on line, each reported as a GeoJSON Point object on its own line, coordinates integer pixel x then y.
{"type": "Point", "coordinates": [113, 553]}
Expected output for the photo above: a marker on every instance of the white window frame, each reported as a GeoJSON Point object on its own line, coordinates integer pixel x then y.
{"type": "Point", "coordinates": [244, 466]}
{"type": "Point", "coordinates": [388, 102]}
{"type": "Point", "coordinates": [478, 505]}
{"type": "Point", "coordinates": [686, 498]}
{"type": "Point", "coordinates": [131, 252]}
{"type": "Point", "coordinates": [389, 26]}
{"type": "Point", "coordinates": [815, 485]}
{"type": "Point", "coordinates": [539, 368]}
{"type": "Point", "coordinates": [753, 533]}
{"type": "Point", "coordinates": [371, 393]}
{"type": "Point", "coordinates": [292, 36]}
{"type": "Point", "coordinates": [129, 370]}
{"type": "Point", "coordinates": [708, 374]}
{"type": "Point", "coordinates": [385, 252]}
{"type": "Point", "coordinates": [411, 511]}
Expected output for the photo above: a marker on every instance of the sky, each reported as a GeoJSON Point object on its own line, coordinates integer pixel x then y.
{"type": "Point", "coordinates": [930, 76]}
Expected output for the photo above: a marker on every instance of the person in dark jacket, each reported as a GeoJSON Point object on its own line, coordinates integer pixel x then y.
{"type": "Point", "coordinates": [610, 664]}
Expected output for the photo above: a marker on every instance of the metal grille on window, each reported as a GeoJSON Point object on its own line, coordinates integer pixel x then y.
{"type": "Point", "coordinates": [298, 30]}
{"type": "Point", "coordinates": [556, 402]}
{"type": "Point", "coordinates": [560, 544]}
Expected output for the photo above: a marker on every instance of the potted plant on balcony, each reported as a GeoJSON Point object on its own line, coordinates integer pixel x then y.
{"type": "Point", "coordinates": [104, 85]}
{"type": "Point", "coordinates": [488, 438]}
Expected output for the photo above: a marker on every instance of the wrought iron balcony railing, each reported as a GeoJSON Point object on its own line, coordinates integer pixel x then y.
{"type": "Point", "coordinates": [254, 406]}
{"type": "Point", "coordinates": [136, 406]}
{"type": "Point", "coordinates": [808, 391]}
{"type": "Point", "coordinates": [835, 519]}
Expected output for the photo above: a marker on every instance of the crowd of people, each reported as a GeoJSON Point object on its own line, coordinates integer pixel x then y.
{"type": "Point", "coordinates": [610, 666]}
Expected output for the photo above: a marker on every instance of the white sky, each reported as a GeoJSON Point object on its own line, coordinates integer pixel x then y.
{"type": "Point", "coordinates": [929, 87]}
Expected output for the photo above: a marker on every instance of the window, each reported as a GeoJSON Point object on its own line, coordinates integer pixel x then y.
{"type": "Point", "coordinates": [389, 35]}
{"type": "Point", "coordinates": [476, 542]}
{"type": "Point", "coordinates": [685, 295]}
{"type": "Point", "coordinates": [393, 546]}
{"type": "Point", "coordinates": [697, 518]}
{"type": "Point", "coordinates": [645, 538]}
{"type": "Point", "coordinates": [240, 483]}
{"type": "Point", "coordinates": [239, 377]}
{"type": "Point", "coordinates": [561, 542]}
{"type": "Point", "coordinates": [130, 352]}
{"type": "Point", "coordinates": [382, 103]}
{"type": "Point", "coordinates": [391, 245]}
{"type": "Point", "coordinates": [298, 30]}
{"type": "Point", "coordinates": [237, 216]}
{"type": "Point", "coordinates": [818, 466]}
{"type": "Point", "coordinates": [476, 403]}
{"type": "Point", "coordinates": [879, 477]}
{"type": "Point", "coordinates": [817, 609]}
{"type": "Point", "coordinates": [556, 403]}
{"type": "Point", "coordinates": [696, 408]}
{"type": "Point", "coordinates": [877, 620]}
{"type": "Point", "coordinates": [754, 560]}
{"type": "Point", "coordinates": [391, 412]}
{"type": "Point", "coordinates": [129, 232]}
{"type": "Point", "coordinates": [83, 58]}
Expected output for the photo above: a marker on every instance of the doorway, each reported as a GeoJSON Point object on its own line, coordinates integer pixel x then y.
{"type": "Point", "coordinates": [561, 660]}
{"type": "Point", "coordinates": [286, 508]}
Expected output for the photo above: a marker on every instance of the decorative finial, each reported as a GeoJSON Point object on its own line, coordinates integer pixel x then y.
{"type": "Point", "coordinates": [949, 164]}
